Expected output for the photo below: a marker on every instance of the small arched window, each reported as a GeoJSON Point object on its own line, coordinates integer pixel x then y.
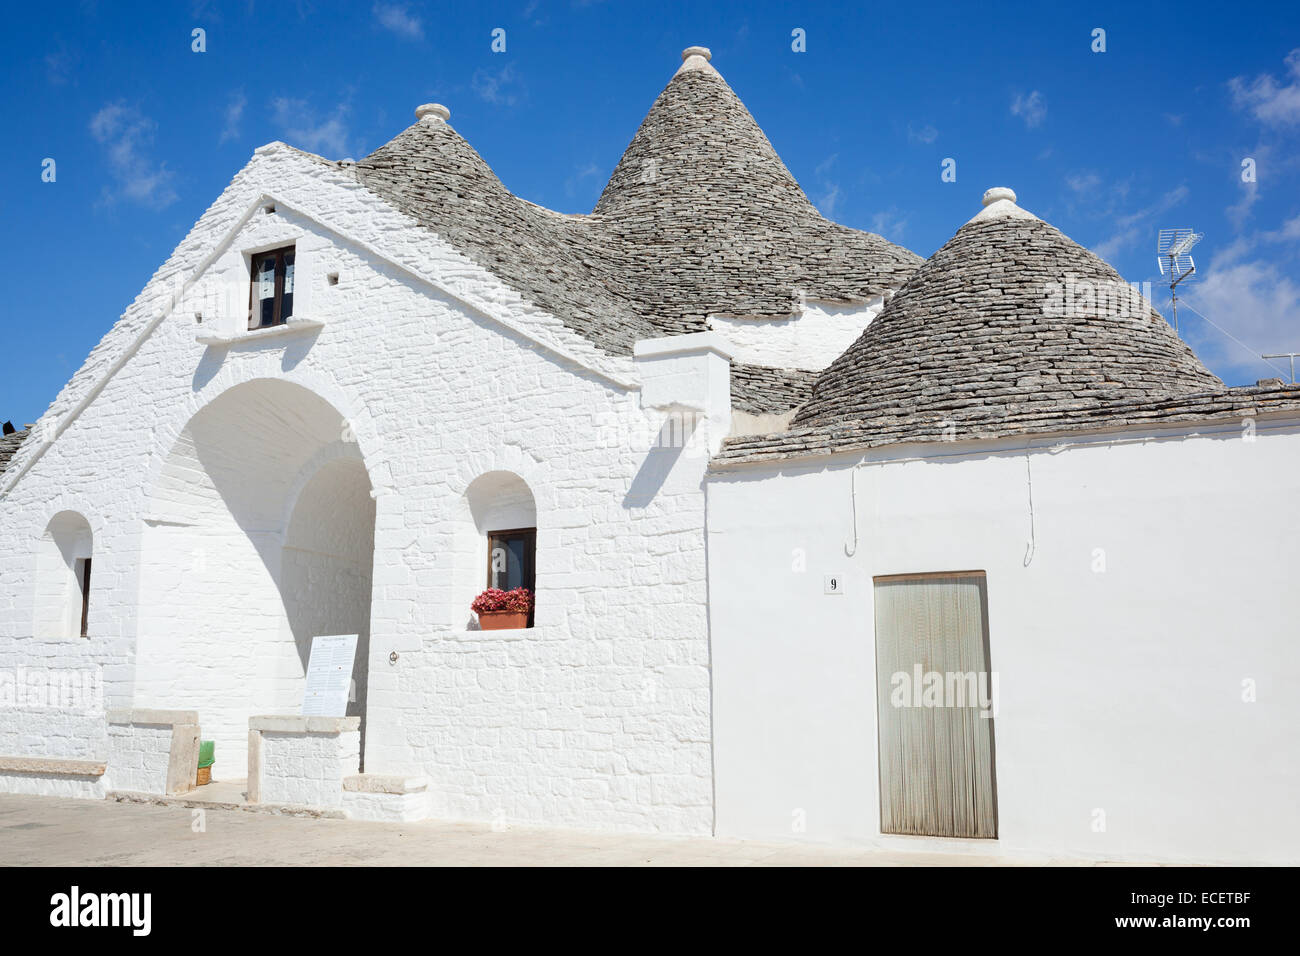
{"type": "Point", "coordinates": [501, 531]}
{"type": "Point", "coordinates": [63, 573]}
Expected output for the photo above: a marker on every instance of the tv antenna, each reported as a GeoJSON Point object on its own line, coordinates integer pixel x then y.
{"type": "Point", "coordinates": [1291, 355]}
{"type": "Point", "coordinates": [1172, 248]}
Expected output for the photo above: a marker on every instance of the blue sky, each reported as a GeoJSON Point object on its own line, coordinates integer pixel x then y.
{"type": "Point", "coordinates": [1109, 147]}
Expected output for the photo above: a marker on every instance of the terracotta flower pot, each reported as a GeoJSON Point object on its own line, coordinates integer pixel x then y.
{"type": "Point", "coordinates": [502, 620]}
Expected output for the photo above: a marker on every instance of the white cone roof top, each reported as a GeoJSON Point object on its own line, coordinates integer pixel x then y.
{"type": "Point", "coordinates": [1000, 203]}
{"type": "Point", "coordinates": [696, 58]}
{"type": "Point", "coordinates": [432, 113]}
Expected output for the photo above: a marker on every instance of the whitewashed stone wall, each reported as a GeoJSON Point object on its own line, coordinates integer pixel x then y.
{"type": "Point", "coordinates": [151, 751]}
{"type": "Point", "coordinates": [138, 758]}
{"type": "Point", "coordinates": [389, 799]}
{"type": "Point", "coordinates": [72, 786]}
{"type": "Point", "coordinates": [811, 339]}
{"type": "Point", "coordinates": [301, 766]}
{"type": "Point", "coordinates": [597, 717]}
{"type": "Point", "coordinates": [1141, 624]}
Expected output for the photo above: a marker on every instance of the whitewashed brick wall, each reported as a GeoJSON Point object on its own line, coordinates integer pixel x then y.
{"type": "Point", "coordinates": [598, 717]}
{"type": "Point", "coordinates": [138, 757]}
{"type": "Point", "coordinates": [43, 785]}
{"type": "Point", "coordinates": [307, 769]}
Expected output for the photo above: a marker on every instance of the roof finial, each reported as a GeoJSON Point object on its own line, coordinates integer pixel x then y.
{"type": "Point", "coordinates": [691, 51]}
{"type": "Point", "coordinates": [433, 113]}
{"type": "Point", "coordinates": [998, 192]}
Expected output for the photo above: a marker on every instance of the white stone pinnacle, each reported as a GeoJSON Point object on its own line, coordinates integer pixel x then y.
{"type": "Point", "coordinates": [999, 192]}
{"type": "Point", "coordinates": [696, 58]}
{"type": "Point", "coordinates": [1000, 203]}
{"type": "Point", "coordinates": [433, 113]}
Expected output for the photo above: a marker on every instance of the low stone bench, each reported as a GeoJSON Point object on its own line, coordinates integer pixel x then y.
{"type": "Point", "coordinates": [391, 798]}
{"type": "Point", "coordinates": [302, 761]}
{"type": "Point", "coordinates": [52, 777]}
{"type": "Point", "coordinates": [153, 751]}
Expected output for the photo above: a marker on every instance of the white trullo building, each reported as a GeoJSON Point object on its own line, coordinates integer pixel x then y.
{"type": "Point", "coordinates": [768, 547]}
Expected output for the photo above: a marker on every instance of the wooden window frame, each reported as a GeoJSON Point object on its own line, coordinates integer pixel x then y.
{"type": "Point", "coordinates": [254, 312]}
{"type": "Point", "coordinates": [530, 563]}
{"type": "Point", "coordinates": [85, 596]}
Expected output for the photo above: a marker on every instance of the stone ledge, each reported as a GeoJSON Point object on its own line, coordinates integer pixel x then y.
{"type": "Point", "coordinates": [303, 725]}
{"type": "Point", "coordinates": [384, 783]}
{"type": "Point", "coordinates": [159, 718]}
{"type": "Point", "coordinates": [53, 766]}
{"type": "Point", "coordinates": [294, 325]}
{"type": "Point", "coordinates": [690, 343]}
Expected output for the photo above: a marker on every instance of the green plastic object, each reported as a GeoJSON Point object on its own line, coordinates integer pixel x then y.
{"type": "Point", "coordinates": [207, 752]}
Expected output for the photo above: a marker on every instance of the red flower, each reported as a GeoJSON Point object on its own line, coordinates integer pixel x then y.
{"type": "Point", "coordinates": [494, 599]}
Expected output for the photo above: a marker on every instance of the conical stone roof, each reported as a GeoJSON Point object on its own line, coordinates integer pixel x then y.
{"type": "Point", "coordinates": [430, 172]}
{"type": "Point", "coordinates": [700, 217]}
{"type": "Point", "coordinates": [1010, 329]}
{"type": "Point", "coordinates": [1010, 318]}
{"type": "Point", "coordinates": [709, 220]}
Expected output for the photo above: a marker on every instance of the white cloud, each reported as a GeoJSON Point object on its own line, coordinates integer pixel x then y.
{"type": "Point", "coordinates": [1290, 230]}
{"type": "Point", "coordinates": [1254, 309]}
{"type": "Point", "coordinates": [59, 66]}
{"type": "Point", "coordinates": [303, 129]}
{"type": "Point", "coordinates": [1240, 211]}
{"type": "Point", "coordinates": [399, 20]}
{"type": "Point", "coordinates": [1271, 102]}
{"type": "Point", "coordinates": [1032, 108]}
{"type": "Point", "coordinates": [1131, 228]}
{"type": "Point", "coordinates": [889, 224]}
{"type": "Point", "coordinates": [1083, 183]}
{"type": "Point", "coordinates": [574, 182]}
{"type": "Point", "coordinates": [830, 199]}
{"type": "Point", "coordinates": [126, 134]}
{"type": "Point", "coordinates": [828, 187]}
{"type": "Point", "coordinates": [495, 87]}
{"type": "Point", "coordinates": [234, 113]}
{"type": "Point", "coordinates": [926, 134]}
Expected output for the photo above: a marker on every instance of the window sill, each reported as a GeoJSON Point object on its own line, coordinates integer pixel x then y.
{"type": "Point", "coordinates": [498, 634]}
{"type": "Point", "coordinates": [295, 325]}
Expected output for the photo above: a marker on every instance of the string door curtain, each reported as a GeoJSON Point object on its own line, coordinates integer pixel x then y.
{"type": "Point", "coordinates": [936, 748]}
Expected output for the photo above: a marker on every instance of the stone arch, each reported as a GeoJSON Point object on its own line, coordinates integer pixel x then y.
{"type": "Point", "coordinates": [259, 535]}
{"type": "Point", "coordinates": [63, 577]}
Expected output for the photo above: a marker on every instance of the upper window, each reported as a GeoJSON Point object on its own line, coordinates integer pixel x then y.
{"type": "Point", "coordinates": [271, 298]}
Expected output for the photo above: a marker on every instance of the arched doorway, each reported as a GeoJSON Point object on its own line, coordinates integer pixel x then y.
{"type": "Point", "coordinates": [259, 535]}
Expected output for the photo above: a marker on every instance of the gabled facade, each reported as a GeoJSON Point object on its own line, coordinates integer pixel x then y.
{"type": "Point", "coordinates": [453, 363]}
{"type": "Point", "coordinates": [355, 385]}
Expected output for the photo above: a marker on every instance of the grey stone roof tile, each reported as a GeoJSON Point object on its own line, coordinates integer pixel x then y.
{"type": "Point", "coordinates": [700, 216]}
{"type": "Point", "coordinates": [1004, 332]}
{"type": "Point", "coordinates": [9, 447]}
{"type": "Point", "coordinates": [764, 389]}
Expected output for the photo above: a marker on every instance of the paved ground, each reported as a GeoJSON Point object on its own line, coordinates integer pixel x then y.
{"type": "Point", "coordinates": [57, 832]}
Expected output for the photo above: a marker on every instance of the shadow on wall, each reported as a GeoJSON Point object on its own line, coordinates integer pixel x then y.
{"type": "Point", "coordinates": [675, 434]}
{"type": "Point", "coordinates": [260, 536]}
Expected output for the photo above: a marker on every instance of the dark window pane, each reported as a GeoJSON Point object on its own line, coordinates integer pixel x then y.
{"type": "Point", "coordinates": [510, 560]}
{"type": "Point", "coordinates": [264, 290]}
{"type": "Point", "coordinates": [286, 300]}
